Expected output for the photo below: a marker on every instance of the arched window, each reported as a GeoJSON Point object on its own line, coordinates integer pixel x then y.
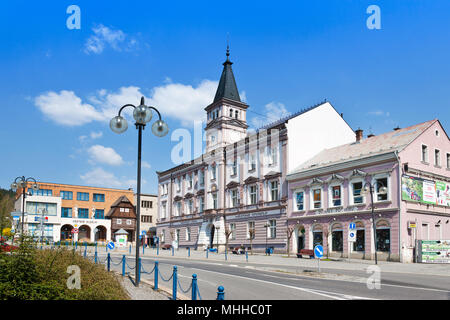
{"type": "Point", "coordinates": [337, 237]}
{"type": "Point", "coordinates": [317, 235]}
{"type": "Point", "coordinates": [236, 114]}
{"type": "Point", "coordinates": [231, 113]}
{"type": "Point", "coordinates": [360, 243]}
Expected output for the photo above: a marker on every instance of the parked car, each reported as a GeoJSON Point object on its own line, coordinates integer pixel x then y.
{"type": "Point", "coordinates": [166, 246]}
{"type": "Point", "coordinates": [238, 250]}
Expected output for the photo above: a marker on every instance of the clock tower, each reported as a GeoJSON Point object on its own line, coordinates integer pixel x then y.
{"type": "Point", "coordinates": [226, 116]}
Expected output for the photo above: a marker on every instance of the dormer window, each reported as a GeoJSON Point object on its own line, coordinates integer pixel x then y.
{"type": "Point", "coordinates": [231, 113]}
{"type": "Point", "coordinates": [236, 114]}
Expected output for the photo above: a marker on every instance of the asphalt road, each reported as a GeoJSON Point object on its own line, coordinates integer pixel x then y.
{"type": "Point", "coordinates": [250, 281]}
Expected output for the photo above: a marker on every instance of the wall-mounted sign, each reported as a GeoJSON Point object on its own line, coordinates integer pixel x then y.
{"type": "Point", "coordinates": [425, 191]}
{"type": "Point", "coordinates": [411, 224]}
{"type": "Point", "coordinates": [433, 251]}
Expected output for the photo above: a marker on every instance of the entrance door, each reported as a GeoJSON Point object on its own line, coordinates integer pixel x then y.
{"type": "Point", "coordinates": [300, 243]}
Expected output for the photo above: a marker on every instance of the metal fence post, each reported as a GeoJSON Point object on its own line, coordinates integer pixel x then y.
{"type": "Point", "coordinates": [95, 257]}
{"type": "Point", "coordinates": [76, 245]}
{"type": "Point", "coordinates": [157, 250]}
{"type": "Point", "coordinates": [207, 253]}
{"type": "Point", "coordinates": [139, 271]}
{"type": "Point", "coordinates": [156, 276]}
{"type": "Point", "coordinates": [96, 247]}
{"type": "Point", "coordinates": [189, 251]}
{"type": "Point", "coordinates": [130, 247]}
{"type": "Point", "coordinates": [220, 293]}
{"type": "Point", "coordinates": [123, 265]}
{"type": "Point", "coordinates": [194, 287]}
{"type": "Point", "coordinates": [85, 249]}
{"type": "Point", "coordinates": [246, 255]}
{"type": "Point", "coordinates": [172, 250]}
{"type": "Point", "coordinates": [225, 254]}
{"type": "Point", "coordinates": [143, 248]}
{"type": "Point", "coordinates": [109, 262]}
{"type": "Point", "coordinates": [174, 283]}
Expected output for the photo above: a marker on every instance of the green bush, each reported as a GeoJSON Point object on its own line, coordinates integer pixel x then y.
{"type": "Point", "coordinates": [31, 274]}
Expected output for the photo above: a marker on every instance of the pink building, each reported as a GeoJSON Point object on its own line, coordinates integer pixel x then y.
{"type": "Point", "coordinates": [326, 194]}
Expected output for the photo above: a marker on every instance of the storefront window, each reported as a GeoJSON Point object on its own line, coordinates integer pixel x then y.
{"type": "Point", "coordinates": [337, 238]}
{"type": "Point", "coordinates": [359, 244]}
{"type": "Point", "coordinates": [317, 238]}
{"type": "Point", "coordinates": [383, 240]}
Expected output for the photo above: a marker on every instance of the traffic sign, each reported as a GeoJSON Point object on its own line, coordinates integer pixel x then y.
{"type": "Point", "coordinates": [74, 230]}
{"type": "Point", "coordinates": [318, 251]}
{"type": "Point", "coordinates": [352, 226]}
{"type": "Point", "coordinates": [351, 235]}
{"type": "Point", "coordinates": [111, 245]}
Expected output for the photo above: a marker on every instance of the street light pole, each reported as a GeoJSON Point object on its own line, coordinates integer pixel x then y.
{"type": "Point", "coordinates": [22, 182]}
{"type": "Point", "coordinates": [142, 114]}
{"type": "Point", "coordinates": [383, 190]}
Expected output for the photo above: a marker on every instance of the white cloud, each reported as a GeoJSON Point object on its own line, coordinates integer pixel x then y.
{"type": "Point", "coordinates": [66, 108]}
{"type": "Point", "coordinates": [145, 165]}
{"type": "Point", "coordinates": [379, 113]}
{"type": "Point", "coordinates": [104, 36]}
{"type": "Point", "coordinates": [184, 102]}
{"type": "Point", "coordinates": [100, 177]}
{"type": "Point", "coordinates": [273, 111]}
{"type": "Point", "coordinates": [101, 154]}
{"type": "Point", "coordinates": [96, 135]}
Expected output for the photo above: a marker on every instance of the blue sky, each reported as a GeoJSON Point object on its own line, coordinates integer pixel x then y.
{"type": "Point", "coordinates": [59, 87]}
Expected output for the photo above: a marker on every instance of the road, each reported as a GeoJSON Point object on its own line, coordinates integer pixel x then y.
{"type": "Point", "coordinates": [252, 281]}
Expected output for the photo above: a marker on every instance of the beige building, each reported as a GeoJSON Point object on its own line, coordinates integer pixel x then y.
{"type": "Point", "coordinates": [149, 211]}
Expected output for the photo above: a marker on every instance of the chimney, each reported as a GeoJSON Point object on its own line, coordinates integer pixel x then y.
{"type": "Point", "coordinates": [359, 135]}
{"type": "Point", "coordinates": [396, 128]}
{"type": "Point", "coordinates": [370, 135]}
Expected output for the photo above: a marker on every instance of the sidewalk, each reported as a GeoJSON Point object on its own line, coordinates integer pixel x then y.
{"type": "Point", "coordinates": [280, 261]}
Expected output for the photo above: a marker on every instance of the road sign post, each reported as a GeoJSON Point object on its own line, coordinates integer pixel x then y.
{"type": "Point", "coordinates": [351, 237]}
{"type": "Point", "coordinates": [318, 253]}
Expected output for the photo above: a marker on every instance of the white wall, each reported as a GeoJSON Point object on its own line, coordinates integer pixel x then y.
{"type": "Point", "coordinates": [313, 131]}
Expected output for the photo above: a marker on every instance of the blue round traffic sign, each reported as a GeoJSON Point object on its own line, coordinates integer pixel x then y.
{"type": "Point", "coordinates": [111, 245]}
{"type": "Point", "coordinates": [318, 251]}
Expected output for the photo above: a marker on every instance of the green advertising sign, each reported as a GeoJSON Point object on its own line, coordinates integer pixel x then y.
{"type": "Point", "coordinates": [425, 191]}
{"type": "Point", "coordinates": [435, 251]}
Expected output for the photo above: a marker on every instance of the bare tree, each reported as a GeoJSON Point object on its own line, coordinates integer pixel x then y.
{"type": "Point", "coordinates": [228, 233]}
{"type": "Point", "coordinates": [289, 232]}
{"type": "Point", "coordinates": [251, 233]}
{"type": "Point", "coordinates": [325, 235]}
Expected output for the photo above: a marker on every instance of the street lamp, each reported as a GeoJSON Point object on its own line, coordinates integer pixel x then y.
{"type": "Point", "coordinates": [369, 188]}
{"type": "Point", "coordinates": [22, 182]}
{"type": "Point", "coordinates": [142, 114]}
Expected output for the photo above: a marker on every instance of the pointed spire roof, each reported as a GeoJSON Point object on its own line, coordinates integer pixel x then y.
{"type": "Point", "coordinates": [227, 85]}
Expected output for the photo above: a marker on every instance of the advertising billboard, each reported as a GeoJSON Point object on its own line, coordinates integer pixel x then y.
{"type": "Point", "coordinates": [425, 191]}
{"type": "Point", "coordinates": [434, 251]}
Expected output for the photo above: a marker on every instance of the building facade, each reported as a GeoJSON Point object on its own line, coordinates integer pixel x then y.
{"type": "Point", "coordinates": [326, 194]}
{"type": "Point", "coordinates": [123, 217]}
{"type": "Point", "coordinates": [149, 213]}
{"type": "Point", "coordinates": [236, 192]}
{"type": "Point", "coordinates": [67, 207]}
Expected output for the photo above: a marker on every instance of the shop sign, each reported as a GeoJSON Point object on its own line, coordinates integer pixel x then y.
{"type": "Point", "coordinates": [252, 215]}
{"type": "Point", "coordinates": [411, 224]}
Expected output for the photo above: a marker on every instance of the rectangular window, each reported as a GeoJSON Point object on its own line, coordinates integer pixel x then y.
{"type": "Point", "coordinates": [189, 207]}
{"type": "Point", "coordinates": [99, 214]}
{"type": "Point", "coordinates": [213, 172]}
{"type": "Point", "coordinates": [178, 208]}
{"type": "Point", "coordinates": [274, 190]}
{"type": "Point", "coordinates": [48, 209]}
{"type": "Point", "coordinates": [66, 195]}
{"type": "Point", "coordinates": [234, 168]}
{"type": "Point", "coordinates": [383, 182]}
{"type": "Point", "coordinates": [178, 184]}
{"type": "Point", "coordinates": [201, 204]}
{"type": "Point", "coordinates": [119, 221]}
{"type": "Point", "coordinates": [83, 213]}
{"type": "Point", "coordinates": [40, 192]}
{"type": "Point", "coordinates": [232, 231]}
{"type": "Point", "coordinates": [437, 157]}
{"type": "Point", "coordinates": [66, 212]}
{"type": "Point", "coordinates": [164, 209]}
{"type": "Point", "coordinates": [128, 222]}
{"type": "Point", "coordinates": [336, 196]}
{"type": "Point", "coordinates": [146, 204]}
{"type": "Point", "coordinates": [251, 230]}
{"type": "Point", "coordinates": [98, 197]}
{"type": "Point", "coordinates": [188, 234]}
{"type": "Point", "coordinates": [234, 198]}
{"type": "Point", "coordinates": [317, 198]}
{"type": "Point", "coordinates": [201, 178]}
{"type": "Point", "coordinates": [300, 200]}
{"type": "Point", "coordinates": [253, 194]}
{"type": "Point", "coordinates": [448, 160]}
{"type": "Point", "coordinates": [424, 153]}
{"type": "Point", "coordinates": [272, 229]}
{"type": "Point", "coordinates": [82, 196]}
{"type": "Point", "coordinates": [214, 198]}
{"type": "Point", "coordinates": [357, 196]}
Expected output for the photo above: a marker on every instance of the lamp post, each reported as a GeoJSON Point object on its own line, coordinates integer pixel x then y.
{"type": "Point", "coordinates": [142, 114]}
{"type": "Point", "coordinates": [369, 188]}
{"type": "Point", "coordinates": [22, 182]}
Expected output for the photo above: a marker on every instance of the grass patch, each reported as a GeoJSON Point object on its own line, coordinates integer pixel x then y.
{"type": "Point", "coordinates": [31, 274]}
